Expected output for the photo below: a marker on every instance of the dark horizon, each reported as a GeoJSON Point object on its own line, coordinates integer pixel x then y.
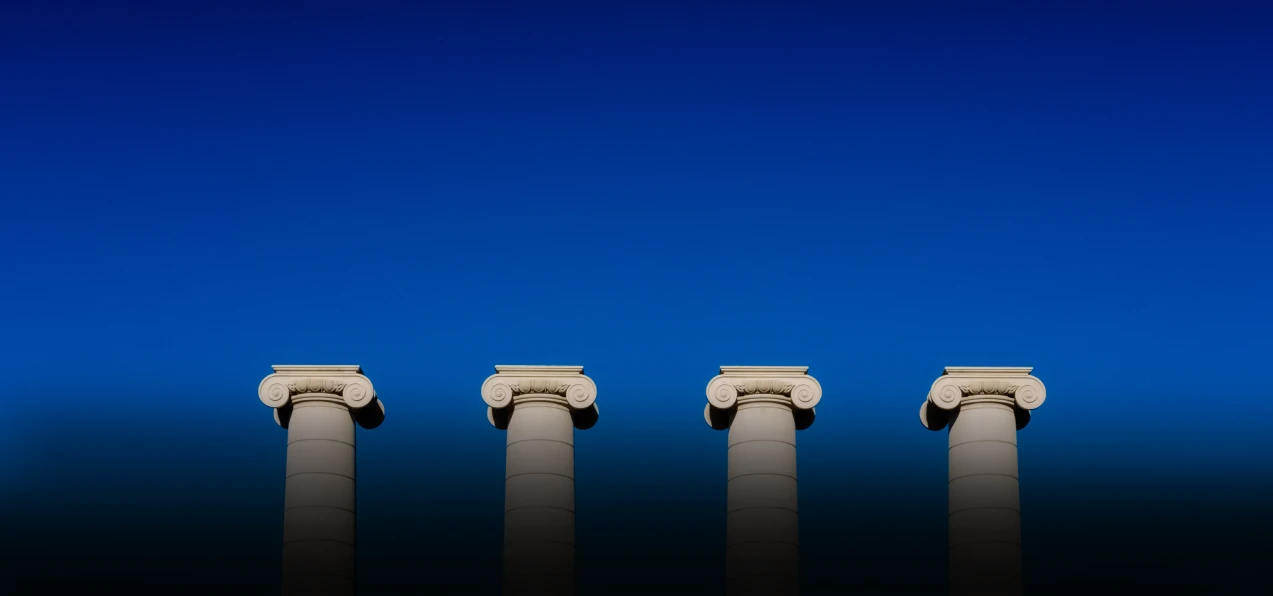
{"type": "Point", "coordinates": [177, 514]}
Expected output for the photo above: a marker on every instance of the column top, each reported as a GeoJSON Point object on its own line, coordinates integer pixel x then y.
{"type": "Point", "coordinates": [1009, 386]}
{"type": "Point", "coordinates": [566, 385]}
{"type": "Point", "coordinates": [764, 371]}
{"type": "Point", "coordinates": [353, 369]}
{"type": "Point", "coordinates": [789, 385]}
{"type": "Point", "coordinates": [343, 384]}
{"type": "Point", "coordinates": [988, 371]}
{"type": "Point", "coordinates": [531, 370]}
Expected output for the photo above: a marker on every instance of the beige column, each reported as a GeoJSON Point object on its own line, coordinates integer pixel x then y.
{"type": "Point", "coordinates": [762, 406]}
{"type": "Point", "coordinates": [318, 405]}
{"type": "Point", "coordinates": [540, 407]}
{"type": "Point", "coordinates": [983, 407]}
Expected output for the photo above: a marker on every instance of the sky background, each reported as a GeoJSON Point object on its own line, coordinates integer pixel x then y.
{"type": "Point", "coordinates": [193, 192]}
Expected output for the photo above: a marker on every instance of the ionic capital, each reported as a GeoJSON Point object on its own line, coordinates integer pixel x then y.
{"type": "Point", "coordinates": [1013, 387]}
{"type": "Point", "coordinates": [345, 385]}
{"type": "Point", "coordinates": [786, 385]}
{"type": "Point", "coordinates": [562, 385]}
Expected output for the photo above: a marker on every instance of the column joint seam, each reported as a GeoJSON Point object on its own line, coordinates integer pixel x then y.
{"type": "Point", "coordinates": [763, 474]}
{"type": "Point", "coordinates": [507, 478]}
{"type": "Point", "coordinates": [327, 473]}
{"type": "Point", "coordinates": [967, 542]}
{"type": "Point", "coordinates": [539, 507]}
{"type": "Point", "coordinates": [544, 440]}
{"type": "Point", "coordinates": [731, 445]}
{"type": "Point", "coordinates": [1016, 509]}
{"type": "Point", "coordinates": [295, 540]}
{"type": "Point", "coordinates": [983, 474]}
{"type": "Point", "coordinates": [286, 509]}
{"type": "Point", "coordinates": [536, 540]}
{"type": "Point", "coordinates": [328, 440]}
{"type": "Point", "coordinates": [738, 542]}
{"type": "Point", "coordinates": [763, 507]}
{"type": "Point", "coordinates": [981, 441]}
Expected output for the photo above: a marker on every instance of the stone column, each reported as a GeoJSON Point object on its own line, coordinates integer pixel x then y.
{"type": "Point", "coordinates": [540, 407]}
{"type": "Point", "coordinates": [318, 405]}
{"type": "Point", "coordinates": [763, 407]}
{"type": "Point", "coordinates": [983, 407]}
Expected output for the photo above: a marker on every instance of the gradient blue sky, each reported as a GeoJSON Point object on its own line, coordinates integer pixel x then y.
{"type": "Point", "coordinates": [192, 193]}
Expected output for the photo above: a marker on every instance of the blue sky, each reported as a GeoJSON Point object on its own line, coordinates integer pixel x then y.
{"type": "Point", "coordinates": [191, 194]}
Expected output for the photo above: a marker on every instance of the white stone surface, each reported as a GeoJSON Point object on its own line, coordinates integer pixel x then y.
{"type": "Point", "coordinates": [983, 407]}
{"type": "Point", "coordinates": [319, 405]}
{"type": "Point", "coordinates": [540, 407]}
{"type": "Point", "coordinates": [762, 406]}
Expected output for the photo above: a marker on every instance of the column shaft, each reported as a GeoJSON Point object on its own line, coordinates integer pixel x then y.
{"type": "Point", "coordinates": [539, 500]}
{"type": "Point", "coordinates": [984, 503]}
{"type": "Point", "coordinates": [318, 517]}
{"type": "Point", "coordinates": [762, 546]}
